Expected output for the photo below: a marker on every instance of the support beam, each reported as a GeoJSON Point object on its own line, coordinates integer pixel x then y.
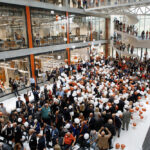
{"type": "Point", "coordinates": [107, 24]}
{"type": "Point", "coordinates": [68, 38]}
{"type": "Point", "coordinates": [30, 40]}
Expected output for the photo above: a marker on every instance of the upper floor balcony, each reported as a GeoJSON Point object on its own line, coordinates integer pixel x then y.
{"type": "Point", "coordinates": [105, 4]}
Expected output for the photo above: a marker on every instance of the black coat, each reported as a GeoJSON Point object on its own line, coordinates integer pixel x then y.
{"type": "Point", "coordinates": [92, 123]}
{"type": "Point", "coordinates": [33, 141]}
{"type": "Point", "coordinates": [41, 143]}
{"type": "Point", "coordinates": [17, 134]}
{"type": "Point", "coordinates": [117, 122]}
{"type": "Point", "coordinates": [19, 104]}
{"type": "Point", "coordinates": [111, 128]}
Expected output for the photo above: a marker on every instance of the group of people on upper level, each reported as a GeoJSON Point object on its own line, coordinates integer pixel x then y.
{"type": "Point", "coordinates": [130, 29]}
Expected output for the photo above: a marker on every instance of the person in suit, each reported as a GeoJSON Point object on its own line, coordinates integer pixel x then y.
{"type": "Point", "coordinates": [41, 142]}
{"type": "Point", "coordinates": [112, 129]}
{"type": "Point", "coordinates": [17, 133]}
{"type": "Point", "coordinates": [117, 123]}
{"type": "Point", "coordinates": [126, 117]}
{"type": "Point", "coordinates": [47, 131]}
{"type": "Point", "coordinates": [91, 121]}
{"type": "Point", "coordinates": [19, 103]}
{"type": "Point", "coordinates": [32, 139]}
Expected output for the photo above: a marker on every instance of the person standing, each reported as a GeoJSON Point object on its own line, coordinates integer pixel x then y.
{"type": "Point", "coordinates": [32, 139]}
{"type": "Point", "coordinates": [15, 88]}
{"type": "Point", "coordinates": [102, 141]}
{"type": "Point", "coordinates": [126, 119]}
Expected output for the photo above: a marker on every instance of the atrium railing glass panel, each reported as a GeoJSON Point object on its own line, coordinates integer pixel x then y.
{"type": "Point", "coordinates": [12, 28]}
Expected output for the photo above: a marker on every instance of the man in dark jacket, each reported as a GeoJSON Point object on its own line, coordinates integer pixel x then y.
{"type": "Point", "coordinates": [41, 142]}
{"type": "Point", "coordinates": [19, 103]}
{"type": "Point", "coordinates": [117, 123]}
{"type": "Point", "coordinates": [32, 139]}
{"type": "Point", "coordinates": [91, 122]}
{"type": "Point", "coordinates": [112, 129]}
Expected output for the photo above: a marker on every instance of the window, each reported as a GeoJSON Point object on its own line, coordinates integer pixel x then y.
{"type": "Point", "coordinates": [12, 28]}
{"type": "Point", "coordinates": [14, 70]}
{"type": "Point", "coordinates": [48, 27]}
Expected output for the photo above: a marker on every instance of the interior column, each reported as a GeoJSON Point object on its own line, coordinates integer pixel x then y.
{"type": "Point", "coordinates": [68, 38]}
{"type": "Point", "coordinates": [107, 23]}
{"type": "Point", "coordinates": [30, 40]}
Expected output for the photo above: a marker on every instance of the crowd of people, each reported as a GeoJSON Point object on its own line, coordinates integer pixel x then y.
{"type": "Point", "coordinates": [130, 29]}
{"type": "Point", "coordinates": [87, 105]}
{"type": "Point", "coordinates": [123, 47]}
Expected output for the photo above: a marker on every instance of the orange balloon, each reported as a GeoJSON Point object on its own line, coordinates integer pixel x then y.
{"type": "Point", "coordinates": [137, 108]}
{"type": "Point", "coordinates": [123, 146]}
{"type": "Point", "coordinates": [74, 71]}
{"type": "Point", "coordinates": [134, 124]}
{"type": "Point", "coordinates": [143, 109]}
{"type": "Point", "coordinates": [131, 110]}
{"type": "Point", "coordinates": [141, 117]}
{"type": "Point", "coordinates": [147, 102]}
{"type": "Point", "coordinates": [145, 96]}
{"type": "Point", "coordinates": [140, 112]}
{"type": "Point", "coordinates": [117, 146]}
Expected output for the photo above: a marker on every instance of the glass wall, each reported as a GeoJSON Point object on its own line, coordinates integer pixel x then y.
{"type": "Point", "coordinates": [12, 28]}
{"type": "Point", "coordinates": [79, 28]}
{"type": "Point", "coordinates": [47, 62]}
{"type": "Point", "coordinates": [56, 2]}
{"type": "Point", "coordinates": [48, 27]}
{"type": "Point", "coordinates": [11, 71]}
{"type": "Point", "coordinates": [98, 28]}
{"type": "Point", "coordinates": [143, 24]}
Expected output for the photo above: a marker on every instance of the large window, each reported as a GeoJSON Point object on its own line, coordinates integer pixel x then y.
{"type": "Point", "coordinates": [56, 2]}
{"type": "Point", "coordinates": [14, 70]}
{"type": "Point", "coordinates": [47, 62]}
{"type": "Point", "coordinates": [48, 27]}
{"type": "Point", "coordinates": [143, 24]}
{"type": "Point", "coordinates": [98, 28]}
{"type": "Point", "coordinates": [79, 28]}
{"type": "Point", "coordinates": [12, 28]}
